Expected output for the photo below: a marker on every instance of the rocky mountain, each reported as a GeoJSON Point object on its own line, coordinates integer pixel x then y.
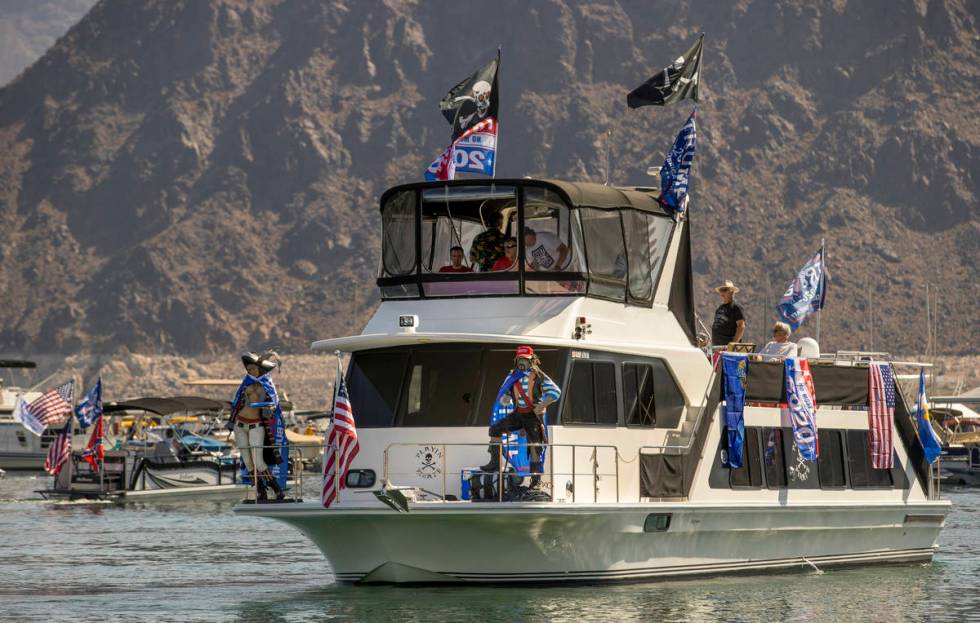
{"type": "Point", "coordinates": [197, 176]}
{"type": "Point", "coordinates": [29, 27]}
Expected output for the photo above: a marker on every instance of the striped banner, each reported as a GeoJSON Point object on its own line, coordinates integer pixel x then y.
{"type": "Point", "coordinates": [881, 412]}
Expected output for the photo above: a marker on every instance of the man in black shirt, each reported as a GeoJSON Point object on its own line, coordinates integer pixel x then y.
{"type": "Point", "coordinates": [729, 324]}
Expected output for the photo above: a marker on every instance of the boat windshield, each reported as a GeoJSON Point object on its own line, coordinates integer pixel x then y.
{"type": "Point", "coordinates": [516, 239]}
{"type": "Point", "coordinates": [435, 385]}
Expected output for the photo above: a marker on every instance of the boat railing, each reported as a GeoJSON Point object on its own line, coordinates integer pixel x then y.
{"type": "Point", "coordinates": [294, 474]}
{"type": "Point", "coordinates": [561, 461]}
{"type": "Point", "coordinates": [670, 443]}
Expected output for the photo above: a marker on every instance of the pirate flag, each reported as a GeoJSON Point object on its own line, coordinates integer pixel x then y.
{"type": "Point", "coordinates": [675, 82]}
{"type": "Point", "coordinates": [472, 100]}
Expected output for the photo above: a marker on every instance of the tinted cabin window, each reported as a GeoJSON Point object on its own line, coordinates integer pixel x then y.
{"type": "Point", "coordinates": [750, 474]}
{"type": "Point", "coordinates": [670, 401]}
{"type": "Point", "coordinates": [591, 394]}
{"type": "Point", "coordinates": [606, 252]}
{"type": "Point", "coordinates": [636, 227]}
{"type": "Point", "coordinates": [773, 459]}
{"type": "Point", "coordinates": [859, 463]}
{"type": "Point", "coordinates": [374, 380]}
{"type": "Point", "coordinates": [638, 394]}
{"type": "Point", "coordinates": [398, 235]}
{"type": "Point", "coordinates": [442, 388]}
{"type": "Point", "coordinates": [831, 460]}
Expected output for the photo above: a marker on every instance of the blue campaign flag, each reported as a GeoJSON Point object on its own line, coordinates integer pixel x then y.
{"type": "Point", "coordinates": [802, 410]}
{"type": "Point", "coordinates": [931, 445]}
{"type": "Point", "coordinates": [734, 366]}
{"type": "Point", "coordinates": [675, 174]}
{"type": "Point", "coordinates": [806, 294]}
{"type": "Point", "coordinates": [90, 406]}
{"type": "Point", "coordinates": [475, 151]}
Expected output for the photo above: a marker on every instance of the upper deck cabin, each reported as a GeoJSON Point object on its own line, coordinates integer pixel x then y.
{"type": "Point", "coordinates": [589, 240]}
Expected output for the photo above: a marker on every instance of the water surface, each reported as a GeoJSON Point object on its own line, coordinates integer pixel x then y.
{"type": "Point", "coordinates": [196, 561]}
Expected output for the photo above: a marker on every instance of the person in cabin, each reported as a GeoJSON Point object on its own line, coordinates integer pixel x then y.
{"type": "Point", "coordinates": [509, 260]}
{"type": "Point", "coordinates": [729, 323]}
{"type": "Point", "coordinates": [252, 425]}
{"type": "Point", "coordinates": [526, 393]}
{"type": "Point", "coordinates": [779, 347]}
{"type": "Point", "coordinates": [544, 250]}
{"type": "Point", "coordinates": [488, 246]}
{"type": "Point", "coordinates": [455, 262]}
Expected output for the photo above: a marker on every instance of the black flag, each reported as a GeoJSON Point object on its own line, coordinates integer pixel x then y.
{"type": "Point", "coordinates": [472, 100]}
{"type": "Point", "coordinates": [675, 82]}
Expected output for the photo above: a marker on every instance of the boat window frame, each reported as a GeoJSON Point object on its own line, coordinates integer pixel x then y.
{"type": "Point", "coordinates": [413, 284]}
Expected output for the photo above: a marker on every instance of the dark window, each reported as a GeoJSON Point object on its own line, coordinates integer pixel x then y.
{"type": "Point", "coordinates": [606, 252]}
{"type": "Point", "coordinates": [638, 394]}
{"type": "Point", "coordinates": [374, 380]}
{"type": "Point", "coordinates": [398, 234]}
{"type": "Point", "coordinates": [670, 401]}
{"type": "Point", "coordinates": [750, 474]}
{"type": "Point", "coordinates": [657, 522]}
{"type": "Point", "coordinates": [441, 388]}
{"type": "Point", "coordinates": [800, 474]}
{"type": "Point", "coordinates": [859, 463]}
{"type": "Point", "coordinates": [360, 478]}
{"type": "Point", "coordinates": [591, 394]}
{"type": "Point", "coordinates": [830, 463]}
{"type": "Point", "coordinates": [773, 458]}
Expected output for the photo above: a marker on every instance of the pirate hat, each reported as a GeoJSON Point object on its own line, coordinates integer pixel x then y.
{"type": "Point", "coordinates": [250, 359]}
{"type": "Point", "coordinates": [728, 285]}
{"type": "Point", "coordinates": [268, 361]}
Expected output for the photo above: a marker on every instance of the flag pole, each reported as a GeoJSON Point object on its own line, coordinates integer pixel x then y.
{"type": "Point", "coordinates": [823, 279]}
{"type": "Point", "coordinates": [496, 140]}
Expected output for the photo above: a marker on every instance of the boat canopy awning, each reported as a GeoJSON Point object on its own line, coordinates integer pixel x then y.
{"type": "Point", "coordinates": [17, 363]}
{"type": "Point", "coordinates": [166, 406]}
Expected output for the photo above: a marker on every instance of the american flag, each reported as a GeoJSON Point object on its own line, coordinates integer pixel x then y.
{"type": "Point", "coordinates": [52, 405]}
{"type": "Point", "coordinates": [342, 445]}
{"type": "Point", "coordinates": [59, 451]}
{"type": "Point", "coordinates": [881, 412]}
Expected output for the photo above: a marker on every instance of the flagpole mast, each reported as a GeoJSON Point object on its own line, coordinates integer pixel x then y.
{"type": "Point", "coordinates": [823, 279]}
{"type": "Point", "coordinates": [496, 139]}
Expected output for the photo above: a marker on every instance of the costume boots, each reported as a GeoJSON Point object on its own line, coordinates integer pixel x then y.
{"type": "Point", "coordinates": [494, 449]}
{"type": "Point", "coordinates": [261, 496]}
{"type": "Point", "coordinates": [274, 483]}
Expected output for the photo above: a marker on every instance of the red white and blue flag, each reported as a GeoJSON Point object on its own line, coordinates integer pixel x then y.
{"type": "Point", "coordinates": [59, 451]}
{"type": "Point", "coordinates": [46, 409]}
{"type": "Point", "coordinates": [342, 444]}
{"type": "Point", "coordinates": [94, 452]}
{"type": "Point", "coordinates": [475, 151]}
{"type": "Point", "coordinates": [675, 174]}
{"type": "Point", "coordinates": [881, 412]}
{"type": "Point", "coordinates": [806, 294]}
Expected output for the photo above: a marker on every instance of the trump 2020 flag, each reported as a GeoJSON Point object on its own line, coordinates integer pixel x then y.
{"type": "Point", "coordinates": [675, 174]}
{"type": "Point", "coordinates": [801, 407]}
{"type": "Point", "coordinates": [673, 83]}
{"type": "Point", "coordinates": [90, 406]}
{"type": "Point", "coordinates": [931, 445]}
{"type": "Point", "coordinates": [806, 294]}
{"type": "Point", "coordinates": [473, 152]}
{"type": "Point", "coordinates": [734, 368]}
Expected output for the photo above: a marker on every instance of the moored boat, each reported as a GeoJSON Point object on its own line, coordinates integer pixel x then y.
{"type": "Point", "coordinates": [635, 482]}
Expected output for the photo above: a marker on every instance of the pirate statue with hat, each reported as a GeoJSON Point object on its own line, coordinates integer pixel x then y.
{"type": "Point", "coordinates": [255, 413]}
{"type": "Point", "coordinates": [521, 404]}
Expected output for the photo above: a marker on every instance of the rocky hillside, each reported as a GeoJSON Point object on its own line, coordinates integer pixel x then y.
{"type": "Point", "coordinates": [194, 177]}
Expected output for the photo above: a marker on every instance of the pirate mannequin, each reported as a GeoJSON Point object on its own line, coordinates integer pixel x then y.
{"type": "Point", "coordinates": [253, 423]}
{"type": "Point", "coordinates": [526, 394]}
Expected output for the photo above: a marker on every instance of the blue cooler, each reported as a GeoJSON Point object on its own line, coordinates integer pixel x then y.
{"type": "Point", "coordinates": [464, 481]}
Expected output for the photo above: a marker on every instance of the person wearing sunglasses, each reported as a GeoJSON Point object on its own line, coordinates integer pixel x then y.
{"type": "Point", "coordinates": [509, 260]}
{"type": "Point", "coordinates": [779, 347]}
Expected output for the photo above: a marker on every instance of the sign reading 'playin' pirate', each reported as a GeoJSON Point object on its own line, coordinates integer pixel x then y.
{"type": "Point", "coordinates": [430, 461]}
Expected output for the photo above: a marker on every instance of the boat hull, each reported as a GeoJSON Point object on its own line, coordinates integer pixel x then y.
{"type": "Point", "coordinates": [549, 543]}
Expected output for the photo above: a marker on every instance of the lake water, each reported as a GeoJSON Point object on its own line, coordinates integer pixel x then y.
{"type": "Point", "coordinates": [198, 562]}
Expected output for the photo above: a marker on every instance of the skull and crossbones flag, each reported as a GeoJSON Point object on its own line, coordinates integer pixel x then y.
{"type": "Point", "coordinates": [472, 100]}
{"type": "Point", "coordinates": [675, 82]}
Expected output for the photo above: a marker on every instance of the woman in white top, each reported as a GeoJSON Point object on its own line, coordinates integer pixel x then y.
{"type": "Point", "coordinates": [780, 347]}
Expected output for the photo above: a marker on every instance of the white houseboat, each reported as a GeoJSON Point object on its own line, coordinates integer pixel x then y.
{"type": "Point", "coordinates": [633, 481]}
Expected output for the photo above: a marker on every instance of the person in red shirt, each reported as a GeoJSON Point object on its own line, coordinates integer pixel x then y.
{"type": "Point", "coordinates": [509, 260]}
{"type": "Point", "coordinates": [456, 262]}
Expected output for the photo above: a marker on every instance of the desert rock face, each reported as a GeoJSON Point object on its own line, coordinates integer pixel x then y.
{"type": "Point", "coordinates": [197, 177]}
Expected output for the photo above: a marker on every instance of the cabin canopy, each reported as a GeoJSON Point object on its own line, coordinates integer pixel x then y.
{"type": "Point", "coordinates": [166, 406]}
{"type": "Point", "coordinates": [579, 239]}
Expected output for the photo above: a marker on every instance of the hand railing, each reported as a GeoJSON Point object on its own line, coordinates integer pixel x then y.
{"type": "Point", "coordinates": [697, 422]}
{"type": "Point", "coordinates": [547, 475]}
